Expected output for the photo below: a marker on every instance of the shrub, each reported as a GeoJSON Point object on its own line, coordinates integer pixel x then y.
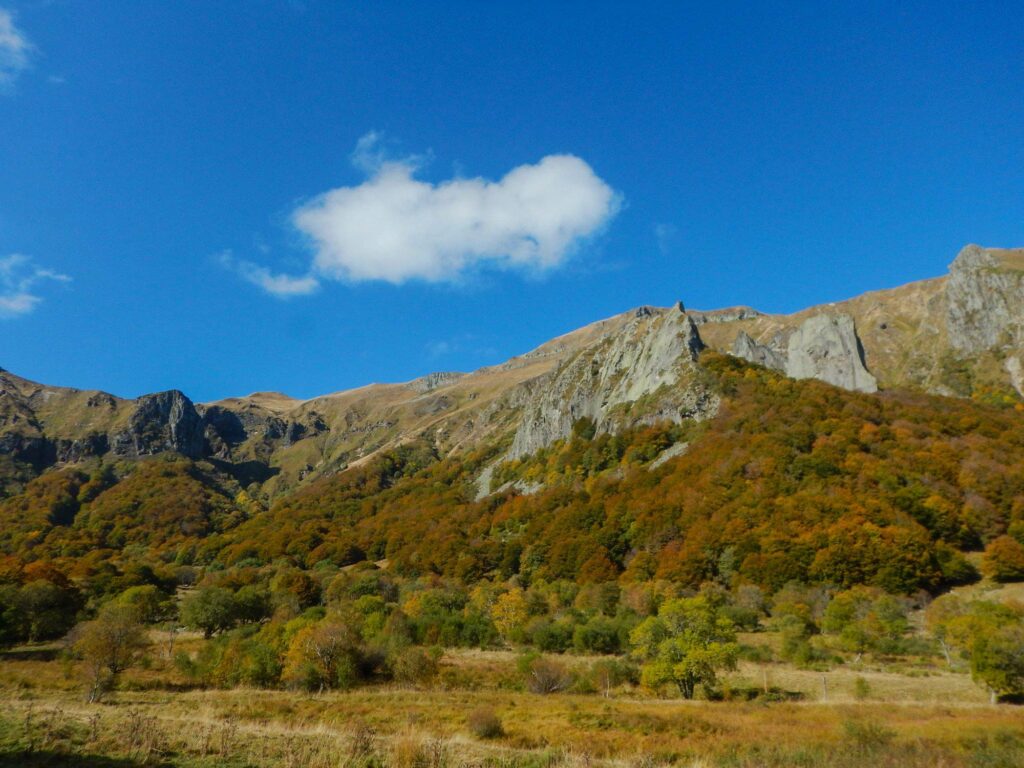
{"type": "Point", "coordinates": [861, 689]}
{"type": "Point", "coordinates": [599, 635]}
{"type": "Point", "coordinates": [607, 674]}
{"type": "Point", "coordinates": [544, 675]}
{"type": "Point", "coordinates": [484, 723]}
{"type": "Point", "coordinates": [551, 636]}
{"type": "Point", "coordinates": [415, 665]}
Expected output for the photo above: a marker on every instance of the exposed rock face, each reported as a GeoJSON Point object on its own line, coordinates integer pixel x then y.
{"type": "Point", "coordinates": [826, 347]}
{"type": "Point", "coordinates": [29, 449]}
{"type": "Point", "coordinates": [166, 421]}
{"type": "Point", "coordinates": [434, 380]}
{"type": "Point", "coordinates": [729, 315]}
{"type": "Point", "coordinates": [226, 429]}
{"type": "Point", "coordinates": [1015, 369]}
{"type": "Point", "coordinates": [984, 302]}
{"type": "Point", "coordinates": [762, 354]}
{"type": "Point", "coordinates": [652, 357]}
{"type": "Point", "coordinates": [94, 444]}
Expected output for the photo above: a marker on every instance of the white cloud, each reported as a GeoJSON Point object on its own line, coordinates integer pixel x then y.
{"type": "Point", "coordinates": [18, 279]}
{"type": "Point", "coordinates": [395, 228]}
{"type": "Point", "coordinates": [14, 49]}
{"type": "Point", "coordinates": [280, 285]}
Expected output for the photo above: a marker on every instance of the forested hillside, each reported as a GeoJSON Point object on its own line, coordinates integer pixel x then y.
{"type": "Point", "coordinates": [791, 481]}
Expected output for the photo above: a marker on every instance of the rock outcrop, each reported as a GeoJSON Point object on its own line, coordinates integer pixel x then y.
{"type": "Point", "coordinates": [824, 347]}
{"type": "Point", "coordinates": [643, 372]}
{"type": "Point", "coordinates": [762, 354]}
{"type": "Point", "coordinates": [434, 380]}
{"type": "Point", "coordinates": [728, 315]}
{"type": "Point", "coordinates": [167, 421]}
{"type": "Point", "coordinates": [984, 302]}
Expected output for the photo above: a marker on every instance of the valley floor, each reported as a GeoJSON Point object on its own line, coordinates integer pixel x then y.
{"type": "Point", "coordinates": [903, 717]}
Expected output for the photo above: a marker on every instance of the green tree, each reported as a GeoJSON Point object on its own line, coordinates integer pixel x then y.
{"type": "Point", "coordinates": [210, 609]}
{"type": "Point", "coordinates": [990, 636]}
{"type": "Point", "coordinates": [47, 609]}
{"type": "Point", "coordinates": [108, 645]}
{"type": "Point", "coordinates": [151, 602]}
{"type": "Point", "coordinates": [998, 660]}
{"type": "Point", "coordinates": [686, 644]}
{"type": "Point", "coordinates": [867, 619]}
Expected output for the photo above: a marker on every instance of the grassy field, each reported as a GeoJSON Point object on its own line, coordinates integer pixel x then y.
{"type": "Point", "coordinates": [899, 717]}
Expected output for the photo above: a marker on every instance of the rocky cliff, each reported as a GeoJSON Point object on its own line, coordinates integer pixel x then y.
{"type": "Point", "coordinates": [645, 371]}
{"type": "Point", "coordinates": [824, 347]}
{"type": "Point", "coordinates": [960, 335]}
{"type": "Point", "coordinates": [985, 300]}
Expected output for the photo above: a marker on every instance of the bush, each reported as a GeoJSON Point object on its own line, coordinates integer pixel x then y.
{"type": "Point", "coordinates": [599, 635]}
{"type": "Point", "coordinates": [861, 689]}
{"type": "Point", "coordinates": [606, 674]}
{"type": "Point", "coordinates": [544, 675]}
{"type": "Point", "coordinates": [484, 723]}
{"type": "Point", "coordinates": [415, 665]}
{"type": "Point", "coordinates": [551, 636]}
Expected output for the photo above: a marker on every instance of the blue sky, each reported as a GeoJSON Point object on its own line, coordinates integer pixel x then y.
{"type": "Point", "coordinates": [438, 186]}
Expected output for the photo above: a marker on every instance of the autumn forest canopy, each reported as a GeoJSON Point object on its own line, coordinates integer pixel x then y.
{"type": "Point", "coordinates": [792, 481]}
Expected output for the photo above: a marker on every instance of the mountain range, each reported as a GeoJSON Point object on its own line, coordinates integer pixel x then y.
{"type": "Point", "coordinates": [960, 335]}
{"type": "Point", "coordinates": [872, 441]}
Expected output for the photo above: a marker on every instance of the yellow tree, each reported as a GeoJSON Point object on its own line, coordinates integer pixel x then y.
{"type": "Point", "coordinates": [509, 613]}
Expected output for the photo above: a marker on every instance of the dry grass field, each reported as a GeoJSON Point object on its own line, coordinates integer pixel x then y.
{"type": "Point", "coordinates": [907, 717]}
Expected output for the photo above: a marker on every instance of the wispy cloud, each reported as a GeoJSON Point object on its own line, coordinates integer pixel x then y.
{"type": "Point", "coordinates": [440, 348]}
{"type": "Point", "coordinates": [19, 278]}
{"type": "Point", "coordinates": [14, 50]}
{"type": "Point", "coordinates": [395, 228]}
{"type": "Point", "coordinates": [666, 235]}
{"type": "Point", "coordinates": [280, 285]}
{"type": "Point", "coordinates": [466, 343]}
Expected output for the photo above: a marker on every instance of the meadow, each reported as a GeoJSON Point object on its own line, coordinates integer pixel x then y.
{"type": "Point", "coordinates": [880, 714]}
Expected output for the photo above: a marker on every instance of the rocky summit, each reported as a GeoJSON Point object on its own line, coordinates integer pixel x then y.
{"type": "Point", "coordinates": [958, 335]}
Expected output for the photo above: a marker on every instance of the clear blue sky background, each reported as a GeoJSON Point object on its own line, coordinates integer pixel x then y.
{"type": "Point", "coordinates": [771, 154]}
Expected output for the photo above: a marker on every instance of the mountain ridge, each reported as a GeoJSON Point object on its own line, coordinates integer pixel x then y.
{"type": "Point", "coordinates": [633, 368]}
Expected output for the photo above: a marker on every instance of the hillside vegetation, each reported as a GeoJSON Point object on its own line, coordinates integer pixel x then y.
{"type": "Point", "coordinates": [791, 481]}
{"type": "Point", "coordinates": [806, 548]}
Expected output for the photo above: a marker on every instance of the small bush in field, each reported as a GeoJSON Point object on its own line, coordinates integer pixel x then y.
{"type": "Point", "coordinates": [861, 689]}
{"type": "Point", "coordinates": [415, 665]}
{"type": "Point", "coordinates": [544, 675]}
{"type": "Point", "coordinates": [484, 723]}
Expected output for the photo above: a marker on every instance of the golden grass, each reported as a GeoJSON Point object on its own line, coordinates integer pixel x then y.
{"type": "Point", "coordinates": [941, 715]}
